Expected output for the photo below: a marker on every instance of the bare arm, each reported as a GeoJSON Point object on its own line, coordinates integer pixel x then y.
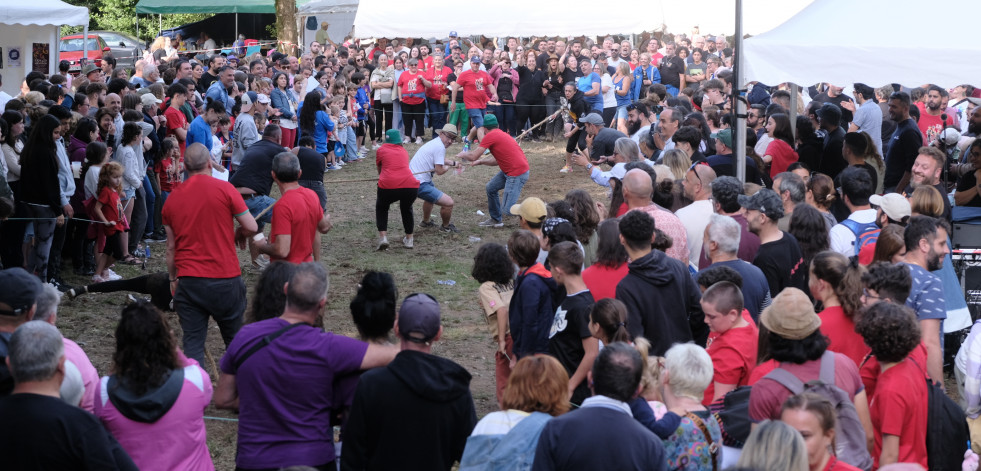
{"type": "Point", "coordinates": [278, 249]}
{"type": "Point", "coordinates": [591, 346]}
{"type": "Point", "coordinates": [502, 328]}
{"type": "Point", "coordinates": [861, 402]}
{"type": "Point", "coordinates": [593, 91]}
{"type": "Point", "coordinates": [324, 226]}
{"type": "Point", "coordinates": [890, 450]}
{"type": "Point", "coordinates": [962, 198]}
{"type": "Point", "coordinates": [721, 389]}
{"type": "Point", "coordinates": [226, 393]}
{"type": "Point", "coordinates": [930, 329]}
{"type": "Point", "coordinates": [903, 182]}
{"type": "Point", "coordinates": [171, 260]}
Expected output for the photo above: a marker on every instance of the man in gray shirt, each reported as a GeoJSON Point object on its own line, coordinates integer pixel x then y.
{"type": "Point", "coordinates": [868, 115]}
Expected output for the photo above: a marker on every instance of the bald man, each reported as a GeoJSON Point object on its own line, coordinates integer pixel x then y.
{"type": "Point", "coordinates": [199, 218]}
{"type": "Point", "coordinates": [637, 190]}
{"type": "Point", "coordinates": [697, 187]}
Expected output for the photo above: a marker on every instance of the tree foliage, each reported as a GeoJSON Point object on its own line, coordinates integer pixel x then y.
{"type": "Point", "coordinates": [120, 15]}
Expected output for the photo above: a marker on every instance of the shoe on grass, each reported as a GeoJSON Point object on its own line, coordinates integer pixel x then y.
{"type": "Point", "coordinates": [407, 242]}
{"type": "Point", "coordinates": [427, 224]}
{"type": "Point", "coordinates": [449, 228]}
{"type": "Point", "coordinates": [491, 222]}
{"type": "Point", "coordinates": [383, 244]}
{"type": "Point", "coordinates": [565, 169]}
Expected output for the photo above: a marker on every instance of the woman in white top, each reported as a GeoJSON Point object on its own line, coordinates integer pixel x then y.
{"type": "Point", "coordinates": [382, 83]}
{"type": "Point", "coordinates": [13, 144]}
{"type": "Point", "coordinates": [130, 157]}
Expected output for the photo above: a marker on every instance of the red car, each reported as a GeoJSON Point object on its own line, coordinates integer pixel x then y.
{"type": "Point", "coordinates": [72, 49]}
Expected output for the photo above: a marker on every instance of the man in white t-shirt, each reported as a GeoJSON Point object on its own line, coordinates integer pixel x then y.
{"type": "Point", "coordinates": [856, 188]}
{"type": "Point", "coordinates": [697, 186]}
{"type": "Point", "coordinates": [430, 159]}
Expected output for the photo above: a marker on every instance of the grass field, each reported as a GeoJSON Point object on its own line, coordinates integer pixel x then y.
{"type": "Point", "coordinates": [348, 252]}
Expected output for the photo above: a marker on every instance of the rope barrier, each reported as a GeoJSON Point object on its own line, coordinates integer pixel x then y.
{"type": "Point", "coordinates": [223, 419]}
{"type": "Point", "coordinates": [53, 219]}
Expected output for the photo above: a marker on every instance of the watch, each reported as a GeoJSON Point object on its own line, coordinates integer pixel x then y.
{"type": "Point", "coordinates": [589, 166]}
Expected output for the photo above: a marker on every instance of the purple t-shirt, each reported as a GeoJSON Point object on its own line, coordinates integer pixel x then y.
{"type": "Point", "coordinates": [286, 391]}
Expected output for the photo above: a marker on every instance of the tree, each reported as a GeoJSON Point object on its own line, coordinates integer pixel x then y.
{"type": "Point", "coordinates": [286, 31]}
{"type": "Point", "coordinates": [120, 15]}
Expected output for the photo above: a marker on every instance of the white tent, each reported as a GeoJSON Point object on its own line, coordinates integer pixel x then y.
{"type": "Point", "coordinates": [23, 24]}
{"type": "Point", "coordinates": [339, 14]}
{"type": "Point", "coordinates": [873, 41]}
{"type": "Point", "coordinates": [502, 18]}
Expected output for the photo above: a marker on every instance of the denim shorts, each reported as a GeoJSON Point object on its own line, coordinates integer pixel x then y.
{"type": "Point", "coordinates": [621, 112]}
{"type": "Point", "coordinates": [476, 117]}
{"type": "Point", "coordinates": [429, 193]}
{"type": "Point", "coordinates": [128, 194]}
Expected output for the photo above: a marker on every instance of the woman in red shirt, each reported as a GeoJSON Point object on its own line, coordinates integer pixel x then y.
{"type": "Point", "coordinates": [814, 417]}
{"type": "Point", "coordinates": [411, 92]}
{"type": "Point", "coordinates": [610, 265]}
{"type": "Point", "coordinates": [395, 183]}
{"type": "Point", "coordinates": [837, 283]}
{"type": "Point", "coordinates": [780, 152]}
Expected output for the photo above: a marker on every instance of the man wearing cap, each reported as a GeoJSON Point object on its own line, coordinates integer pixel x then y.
{"type": "Point", "coordinates": [41, 431]}
{"type": "Point", "coordinates": [283, 420]}
{"type": "Point", "coordinates": [17, 306]}
{"type": "Point", "coordinates": [505, 153]}
{"type": "Point", "coordinates": [245, 133]}
{"type": "Point", "coordinates": [93, 73]}
{"type": "Point", "coordinates": [779, 255]}
{"type": "Point", "coordinates": [428, 394]}
{"type": "Point", "coordinates": [848, 236]}
{"type": "Point", "coordinates": [218, 90]}
{"type": "Point", "coordinates": [891, 208]}
{"type": "Point", "coordinates": [531, 216]}
{"type": "Point", "coordinates": [661, 297]}
{"type": "Point", "coordinates": [725, 194]}
{"type": "Point", "coordinates": [430, 159]}
{"type": "Point", "coordinates": [478, 90]}
{"type": "Point", "coordinates": [600, 139]}
{"type": "Point", "coordinates": [297, 218]}
{"type": "Point", "coordinates": [926, 170]}
{"type": "Point", "coordinates": [724, 163]}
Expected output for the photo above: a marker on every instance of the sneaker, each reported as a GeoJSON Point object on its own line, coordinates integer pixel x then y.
{"type": "Point", "coordinates": [486, 151]}
{"type": "Point", "coordinates": [333, 167]}
{"type": "Point", "coordinates": [76, 292]}
{"type": "Point", "coordinates": [60, 285]}
{"type": "Point", "coordinates": [406, 140]}
{"type": "Point", "coordinates": [491, 222]}
{"type": "Point", "coordinates": [113, 276]}
{"type": "Point", "coordinates": [419, 141]}
{"type": "Point", "coordinates": [427, 224]}
{"type": "Point", "coordinates": [565, 169]}
{"type": "Point", "coordinates": [383, 244]}
{"type": "Point", "coordinates": [157, 237]}
{"type": "Point", "coordinates": [96, 278]}
{"type": "Point", "coordinates": [260, 262]}
{"type": "Point", "coordinates": [449, 228]}
{"type": "Point", "coordinates": [376, 147]}
{"type": "Point", "coordinates": [407, 242]}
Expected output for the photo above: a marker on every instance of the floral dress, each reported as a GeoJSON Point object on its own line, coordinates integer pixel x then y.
{"type": "Point", "coordinates": [688, 449]}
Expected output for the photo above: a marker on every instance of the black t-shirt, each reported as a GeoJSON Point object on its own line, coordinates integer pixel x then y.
{"type": "Point", "coordinates": [782, 263]}
{"type": "Point", "coordinates": [832, 161]}
{"type": "Point", "coordinates": [205, 82]}
{"type": "Point", "coordinates": [312, 165]}
{"type": "Point", "coordinates": [256, 169]}
{"type": "Point", "coordinates": [901, 151]}
{"type": "Point", "coordinates": [966, 182]}
{"type": "Point", "coordinates": [726, 165]}
{"type": "Point", "coordinates": [943, 192]}
{"type": "Point", "coordinates": [569, 327]}
{"type": "Point", "coordinates": [846, 115]}
{"type": "Point", "coordinates": [459, 93]}
{"type": "Point", "coordinates": [604, 141]}
{"type": "Point", "coordinates": [43, 432]}
{"type": "Point", "coordinates": [671, 69]}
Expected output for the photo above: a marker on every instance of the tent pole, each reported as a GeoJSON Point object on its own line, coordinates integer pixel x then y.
{"type": "Point", "coordinates": [85, 45]}
{"type": "Point", "coordinates": [794, 91]}
{"type": "Point", "coordinates": [160, 20]}
{"type": "Point", "coordinates": [137, 26]}
{"type": "Point", "coordinates": [738, 105]}
{"type": "Point", "coordinates": [236, 26]}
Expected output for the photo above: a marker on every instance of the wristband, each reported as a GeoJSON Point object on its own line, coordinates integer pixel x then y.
{"type": "Point", "coordinates": [258, 237]}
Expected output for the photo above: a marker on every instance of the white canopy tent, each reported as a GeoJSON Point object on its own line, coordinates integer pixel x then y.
{"type": "Point", "coordinates": [878, 46]}
{"type": "Point", "coordinates": [521, 18]}
{"type": "Point", "coordinates": [22, 24]}
{"type": "Point", "coordinates": [339, 14]}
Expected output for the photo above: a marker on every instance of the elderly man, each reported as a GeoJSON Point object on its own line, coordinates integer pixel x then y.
{"type": "Point", "coordinates": [602, 433]}
{"type": "Point", "coordinates": [297, 217]}
{"type": "Point", "coordinates": [697, 186]}
{"type": "Point", "coordinates": [418, 388]}
{"type": "Point", "coordinates": [47, 310]}
{"type": "Point", "coordinates": [40, 430]}
{"type": "Point", "coordinates": [792, 191]}
{"type": "Point", "coordinates": [198, 217]}
{"type": "Point", "coordinates": [430, 159]}
{"type": "Point", "coordinates": [637, 190]}
{"type": "Point", "coordinates": [283, 421]}
{"type": "Point", "coordinates": [721, 243]}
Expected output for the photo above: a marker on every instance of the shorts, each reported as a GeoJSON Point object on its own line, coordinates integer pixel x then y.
{"type": "Point", "coordinates": [128, 194]}
{"type": "Point", "coordinates": [429, 193]}
{"type": "Point", "coordinates": [476, 116]}
{"type": "Point", "coordinates": [258, 203]}
{"type": "Point", "coordinates": [114, 246]}
{"type": "Point", "coordinates": [621, 112]}
{"type": "Point", "coordinates": [359, 129]}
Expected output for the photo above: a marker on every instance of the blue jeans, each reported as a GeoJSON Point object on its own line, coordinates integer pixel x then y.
{"type": "Point", "coordinates": [512, 191]}
{"type": "Point", "coordinates": [256, 205]}
{"type": "Point", "coordinates": [505, 117]}
{"type": "Point", "coordinates": [151, 199]}
{"type": "Point", "coordinates": [437, 115]}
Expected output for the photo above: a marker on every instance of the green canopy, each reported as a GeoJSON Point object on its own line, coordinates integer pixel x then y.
{"type": "Point", "coordinates": [166, 7]}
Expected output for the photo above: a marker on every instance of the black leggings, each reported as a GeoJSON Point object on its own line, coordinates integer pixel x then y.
{"type": "Point", "coordinates": [383, 119]}
{"type": "Point", "coordinates": [576, 140]}
{"type": "Point", "coordinates": [414, 114]}
{"type": "Point", "coordinates": [533, 114]}
{"type": "Point", "coordinates": [405, 197]}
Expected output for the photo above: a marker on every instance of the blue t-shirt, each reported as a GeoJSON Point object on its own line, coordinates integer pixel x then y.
{"type": "Point", "coordinates": [323, 126]}
{"type": "Point", "coordinates": [927, 296]}
{"type": "Point", "coordinates": [199, 132]}
{"type": "Point", "coordinates": [585, 84]}
{"type": "Point", "coordinates": [363, 102]}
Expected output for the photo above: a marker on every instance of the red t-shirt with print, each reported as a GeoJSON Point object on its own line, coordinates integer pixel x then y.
{"type": "Point", "coordinates": [112, 210]}
{"type": "Point", "coordinates": [475, 91]}
{"type": "Point", "coordinates": [411, 87]}
{"type": "Point", "coordinates": [438, 79]}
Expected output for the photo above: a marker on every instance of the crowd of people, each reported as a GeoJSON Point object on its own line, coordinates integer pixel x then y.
{"type": "Point", "coordinates": [816, 299]}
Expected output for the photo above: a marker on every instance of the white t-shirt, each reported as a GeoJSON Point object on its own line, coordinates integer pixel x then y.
{"type": "Point", "coordinates": [426, 159]}
{"type": "Point", "coordinates": [609, 96]}
{"type": "Point", "coordinates": [695, 217]}
{"type": "Point", "coordinates": [843, 239]}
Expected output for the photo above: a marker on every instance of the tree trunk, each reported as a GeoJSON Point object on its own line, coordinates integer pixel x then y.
{"type": "Point", "coordinates": [286, 27]}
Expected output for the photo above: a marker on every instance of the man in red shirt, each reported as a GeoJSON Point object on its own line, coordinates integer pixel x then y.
{"type": "Point", "coordinates": [478, 90]}
{"type": "Point", "coordinates": [297, 220]}
{"type": "Point", "coordinates": [177, 124]}
{"type": "Point", "coordinates": [505, 153]}
{"type": "Point", "coordinates": [201, 236]}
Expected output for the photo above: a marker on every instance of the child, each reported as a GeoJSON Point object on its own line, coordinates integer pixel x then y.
{"type": "Point", "coordinates": [109, 211]}
{"type": "Point", "coordinates": [128, 155]}
{"type": "Point", "coordinates": [96, 155]}
{"type": "Point", "coordinates": [733, 341]}
{"type": "Point", "coordinates": [364, 104]}
{"type": "Point", "coordinates": [339, 136]}
{"type": "Point", "coordinates": [224, 135]}
{"type": "Point", "coordinates": [352, 108]}
{"type": "Point", "coordinates": [531, 309]}
{"type": "Point", "coordinates": [570, 340]}
{"type": "Point", "coordinates": [493, 270]}
{"type": "Point", "coordinates": [170, 168]}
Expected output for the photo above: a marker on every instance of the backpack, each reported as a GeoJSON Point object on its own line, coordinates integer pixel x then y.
{"type": "Point", "coordinates": [514, 450]}
{"type": "Point", "coordinates": [948, 435]}
{"type": "Point", "coordinates": [865, 233]}
{"type": "Point", "coordinates": [505, 87]}
{"type": "Point", "coordinates": [732, 412]}
{"type": "Point", "coordinates": [850, 445]}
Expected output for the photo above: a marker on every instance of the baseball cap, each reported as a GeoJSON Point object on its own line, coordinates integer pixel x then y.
{"type": "Point", "coordinates": [894, 205]}
{"type": "Point", "coordinates": [453, 34]}
{"type": "Point", "coordinates": [263, 98]}
{"type": "Point", "coordinates": [475, 60]}
{"type": "Point", "coordinates": [19, 293]}
{"type": "Point", "coordinates": [490, 121]}
{"type": "Point", "coordinates": [248, 98]}
{"type": "Point", "coordinates": [393, 136]}
{"type": "Point", "coordinates": [531, 209]}
{"type": "Point", "coordinates": [949, 137]}
{"type": "Point", "coordinates": [765, 201]}
{"type": "Point", "coordinates": [419, 318]}
{"type": "Point", "coordinates": [231, 57]}
{"type": "Point", "coordinates": [148, 100]}
{"type": "Point", "coordinates": [725, 136]}
{"type": "Point", "coordinates": [592, 118]}
{"type": "Point", "coordinates": [791, 315]}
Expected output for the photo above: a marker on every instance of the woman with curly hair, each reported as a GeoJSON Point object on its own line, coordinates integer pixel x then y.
{"type": "Point", "coordinates": [836, 281]}
{"type": "Point", "coordinates": [899, 404]}
{"type": "Point", "coordinates": [154, 401]}
{"type": "Point", "coordinates": [821, 194]}
{"type": "Point", "coordinates": [808, 227]}
{"type": "Point", "coordinates": [492, 268]}
{"type": "Point", "coordinates": [269, 299]}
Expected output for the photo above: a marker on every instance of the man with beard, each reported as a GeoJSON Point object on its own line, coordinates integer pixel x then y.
{"type": "Point", "coordinates": [638, 120]}
{"type": "Point", "coordinates": [545, 55]}
{"type": "Point", "coordinates": [904, 145]}
{"type": "Point", "coordinates": [868, 115]}
{"type": "Point", "coordinates": [926, 171]}
{"type": "Point", "coordinates": [754, 118]}
{"type": "Point", "coordinates": [672, 69]}
{"type": "Point", "coordinates": [973, 123]}
{"type": "Point", "coordinates": [833, 95]}
{"type": "Point", "coordinates": [926, 246]}
{"type": "Point", "coordinates": [931, 120]}
{"type": "Point", "coordinates": [575, 49]}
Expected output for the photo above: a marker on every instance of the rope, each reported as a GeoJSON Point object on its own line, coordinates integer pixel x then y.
{"type": "Point", "coordinates": [52, 219]}
{"type": "Point", "coordinates": [223, 419]}
{"type": "Point", "coordinates": [364, 180]}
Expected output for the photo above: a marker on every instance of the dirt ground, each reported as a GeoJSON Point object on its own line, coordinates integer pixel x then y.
{"type": "Point", "coordinates": [348, 253]}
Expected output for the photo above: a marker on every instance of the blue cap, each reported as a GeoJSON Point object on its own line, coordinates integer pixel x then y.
{"type": "Point", "coordinates": [453, 34]}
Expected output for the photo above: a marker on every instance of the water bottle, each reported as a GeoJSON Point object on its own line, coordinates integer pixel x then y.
{"type": "Point", "coordinates": [147, 249]}
{"type": "Point", "coordinates": [446, 282]}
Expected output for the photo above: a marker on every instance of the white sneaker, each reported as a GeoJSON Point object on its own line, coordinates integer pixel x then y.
{"type": "Point", "coordinates": [406, 140]}
{"type": "Point", "coordinates": [376, 147]}
{"type": "Point", "coordinates": [113, 276]}
{"type": "Point", "coordinates": [407, 242]}
{"type": "Point", "coordinates": [419, 141]}
{"type": "Point", "coordinates": [383, 244]}
{"type": "Point", "coordinates": [491, 222]}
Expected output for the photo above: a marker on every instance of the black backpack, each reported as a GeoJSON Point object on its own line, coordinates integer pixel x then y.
{"type": "Point", "coordinates": [948, 436]}
{"type": "Point", "coordinates": [505, 86]}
